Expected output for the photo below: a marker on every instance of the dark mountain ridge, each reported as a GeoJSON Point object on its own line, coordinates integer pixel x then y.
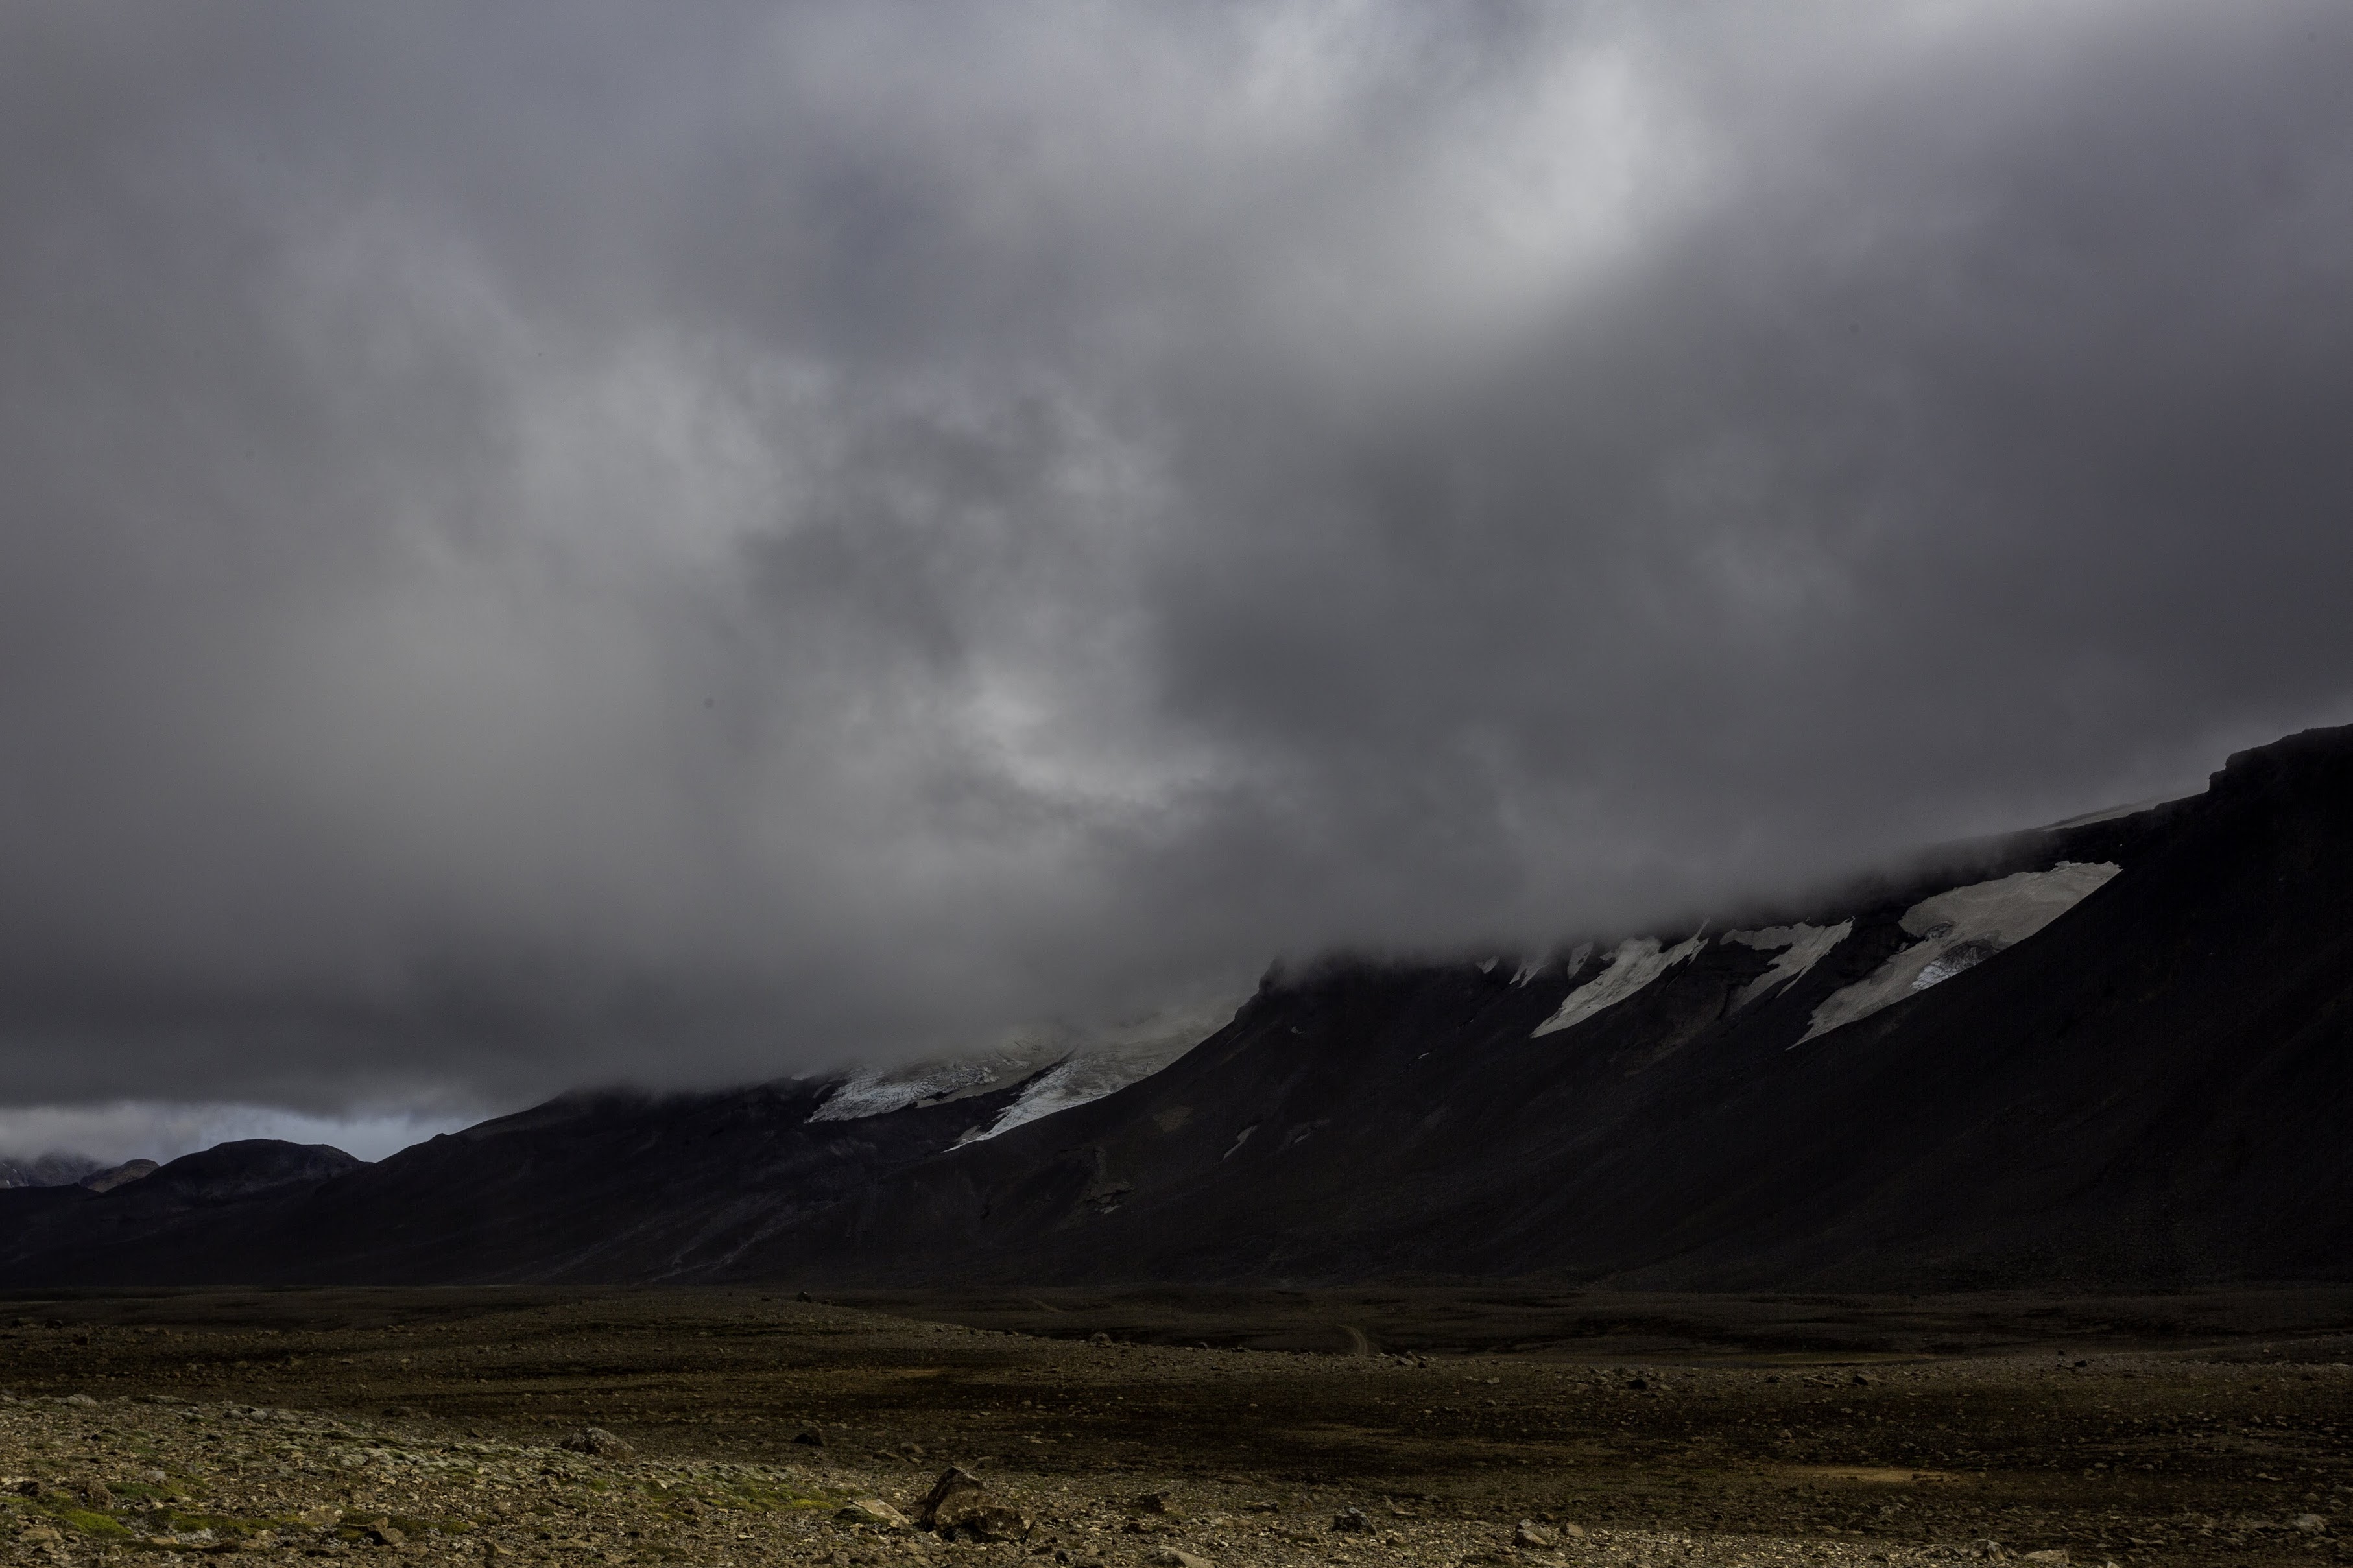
{"type": "Point", "coordinates": [2107, 1055]}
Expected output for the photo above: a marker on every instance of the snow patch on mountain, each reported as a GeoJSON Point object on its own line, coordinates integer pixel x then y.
{"type": "Point", "coordinates": [1569, 965]}
{"type": "Point", "coordinates": [1110, 1061]}
{"type": "Point", "coordinates": [878, 1091]}
{"type": "Point", "coordinates": [1959, 929]}
{"type": "Point", "coordinates": [1635, 964]}
{"type": "Point", "coordinates": [1065, 1067]}
{"type": "Point", "coordinates": [1803, 946]}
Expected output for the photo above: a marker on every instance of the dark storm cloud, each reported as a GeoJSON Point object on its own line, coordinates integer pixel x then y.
{"type": "Point", "coordinates": [551, 543]}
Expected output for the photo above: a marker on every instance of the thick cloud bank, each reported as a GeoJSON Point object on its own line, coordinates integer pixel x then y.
{"type": "Point", "coordinates": [545, 542]}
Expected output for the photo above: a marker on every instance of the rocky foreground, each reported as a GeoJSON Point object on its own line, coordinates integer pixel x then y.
{"type": "Point", "coordinates": [92, 1480]}
{"type": "Point", "coordinates": [717, 1427]}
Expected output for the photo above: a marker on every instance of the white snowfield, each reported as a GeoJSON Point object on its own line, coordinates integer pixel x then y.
{"type": "Point", "coordinates": [1077, 1069]}
{"type": "Point", "coordinates": [1803, 946]}
{"type": "Point", "coordinates": [1635, 964]}
{"type": "Point", "coordinates": [1961, 928]}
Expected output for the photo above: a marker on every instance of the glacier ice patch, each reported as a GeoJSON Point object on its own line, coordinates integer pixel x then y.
{"type": "Point", "coordinates": [1635, 964]}
{"type": "Point", "coordinates": [1802, 947]}
{"type": "Point", "coordinates": [1959, 929]}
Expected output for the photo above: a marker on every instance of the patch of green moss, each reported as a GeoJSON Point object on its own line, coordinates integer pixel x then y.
{"type": "Point", "coordinates": [767, 1496]}
{"type": "Point", "coordinates": [88, 1521]}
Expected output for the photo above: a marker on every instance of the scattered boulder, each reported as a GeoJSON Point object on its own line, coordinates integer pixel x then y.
{"type": "Point", "coordinates": [599, 1443]}
{"type": "Point", "coordinates": [1162, 1503]}
{"type": "Point", "coordinates": [958, 1504]}
{"type": "Point", "coordinates": [809, 1439]}
{"type": "Point", "coordinates": [1170, 1557]}
{"type": "Point", "coordinates": [874, 1514]}
{"type": "Point", "coordinates": [1351, 1521]}
{"type": "Point", "coordinates": [2047, 1554]}
{"type": "Point", "coordinates": [1528, 1535]}
{"type": "Point", "coordinates": [2310, 1524]}
{"type": "Point", "coordinates": [79, 1399]}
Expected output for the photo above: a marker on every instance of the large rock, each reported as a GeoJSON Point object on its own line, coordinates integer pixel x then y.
{"type": "Point", "coordinates": [959, 1505]}
{"type": "Point", "coordinates": [597, 1441]}
{"type": "Point", "coordinates": [874, 1513]}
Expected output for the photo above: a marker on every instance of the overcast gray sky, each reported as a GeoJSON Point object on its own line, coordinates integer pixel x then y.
{"type": "Point", "coordinates": [546, 543]}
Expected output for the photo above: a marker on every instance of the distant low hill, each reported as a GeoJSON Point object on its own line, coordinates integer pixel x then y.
{"type": "Point", "coordinates": [2115, 1053]}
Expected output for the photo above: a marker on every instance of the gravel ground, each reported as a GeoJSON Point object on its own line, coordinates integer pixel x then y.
{"type": "Point", "coordinates": [435, 1424]}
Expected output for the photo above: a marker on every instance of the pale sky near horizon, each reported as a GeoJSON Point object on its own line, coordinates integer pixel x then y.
{"type": "Point", "coordinates": [545, 544]}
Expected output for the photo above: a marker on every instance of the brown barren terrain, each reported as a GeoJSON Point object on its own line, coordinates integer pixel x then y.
{"type": "Point", "coordinates": [1223, 1426]}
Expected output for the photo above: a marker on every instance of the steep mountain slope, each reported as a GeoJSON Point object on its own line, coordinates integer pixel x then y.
{"type": "Point", "coordinates": [2118, 1052]}
{"type": "Point", "coordinates": [2149, 1090]}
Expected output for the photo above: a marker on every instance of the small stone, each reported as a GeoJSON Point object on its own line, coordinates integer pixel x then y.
{"type": "Point", "coordinates": [2310, 1524]}
{"type": "Point", "coordinates": [1351, 1521]}
{"type": "Point", "coordinates": [599, 1443]}
{"type": "Point", "coordinates": [1170, 1557]}
{"type": "Point", "coordinates": [874, 1513]}
{"type": "Point", "coordinates": [1156, 1502]}
{"type": "Point", "coordinates": [1528, 1535]}
{"type": "Point", "coordinates": [79, 1399]}
{"type": "Point", "coordinates": [809, 1440]}
{"type": "Point", "coordinates": [2047, 1554]}
{"type": "Point", "coordinates": [1098, 1337]}
{"type": "Point", "coordinates": [1573, 1531]}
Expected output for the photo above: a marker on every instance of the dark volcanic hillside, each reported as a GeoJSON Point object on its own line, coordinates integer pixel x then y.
{"type": "Point", "coordinates": [590, 1186]}
{"type": "Point", "coordinates": [2153, 1091]}
{"type": "Point", "coordinates": [2115, 1054]}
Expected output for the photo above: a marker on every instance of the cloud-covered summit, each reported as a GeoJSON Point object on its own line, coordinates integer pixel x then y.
{"type": "Point", "coordinates": [546, 543]}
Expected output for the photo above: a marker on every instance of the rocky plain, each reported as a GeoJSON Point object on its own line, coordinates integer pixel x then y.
{"type": "Point", "coordinates": [1435, 1425]}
